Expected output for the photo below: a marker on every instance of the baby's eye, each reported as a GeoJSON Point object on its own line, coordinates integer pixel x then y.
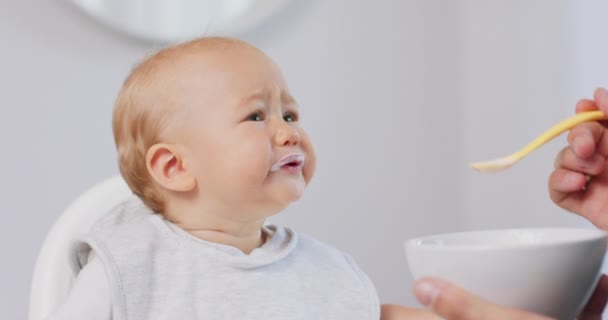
{"type": "Point", "coordinates": [290, 117]}
{"type": "Point", "coordinates": [256, 117]}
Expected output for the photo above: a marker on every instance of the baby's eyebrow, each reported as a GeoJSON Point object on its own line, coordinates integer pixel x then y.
{"type": "Point", "coordinates": [258, 95]}
{"type": "Point", "coordinates": [286, 98]}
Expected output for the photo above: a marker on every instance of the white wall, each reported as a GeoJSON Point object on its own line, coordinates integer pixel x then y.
{"type": "Point", "coordinates": [524, 65]}
{"type": "Point", "coordinates": [398, 96]}
{"type": "Point", "coordinates": [513, 86]}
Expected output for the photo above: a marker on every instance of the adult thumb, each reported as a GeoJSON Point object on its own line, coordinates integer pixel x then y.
{"type": "Point", "coordinates": [453, 303]}
{"type": "Point", "coordinates": [601, 99]}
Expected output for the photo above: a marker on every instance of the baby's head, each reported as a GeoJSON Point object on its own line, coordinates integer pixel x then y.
{"type": "Point", "coordinates": [210, 125]}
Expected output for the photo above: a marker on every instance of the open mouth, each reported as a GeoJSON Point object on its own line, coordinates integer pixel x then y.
{"type": "Point", "coordinates": [293, 164]}
{"type": "Point", "coordinates": [291, 161]}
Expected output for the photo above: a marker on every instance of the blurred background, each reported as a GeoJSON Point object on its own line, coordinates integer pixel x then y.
{"type": "Point", "coordinates": [399, 96]}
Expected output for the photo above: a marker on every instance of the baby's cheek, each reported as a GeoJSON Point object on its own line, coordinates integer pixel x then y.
{"type": "Point", "coordinates": [310, 165]}
{"type": "Point", "coordinates": [250, 172]}
{"type": "Point", "coordinates": [309, 169]}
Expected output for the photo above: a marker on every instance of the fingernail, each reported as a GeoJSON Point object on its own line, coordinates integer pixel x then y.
{"type": "Point", "coordinates": [426, 292]}
{"type": "Point", "coordinates": [603, 92]}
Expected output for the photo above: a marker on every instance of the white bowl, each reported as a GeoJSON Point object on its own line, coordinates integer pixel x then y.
{"type": "Point", "coordinates": [551, 271]}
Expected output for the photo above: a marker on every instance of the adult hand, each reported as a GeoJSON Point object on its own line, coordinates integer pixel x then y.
{"type": "Point", "coordinates": [453, 303]}
{"type": "Point", "coordinates": [579, 182]}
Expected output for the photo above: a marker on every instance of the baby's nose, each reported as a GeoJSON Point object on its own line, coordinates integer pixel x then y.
{"type": "Point", "coordinates": [286, 135]}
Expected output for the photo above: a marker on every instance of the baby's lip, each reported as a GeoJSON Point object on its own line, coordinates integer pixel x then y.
{"type": "Point", "coordinates": [292, 159]}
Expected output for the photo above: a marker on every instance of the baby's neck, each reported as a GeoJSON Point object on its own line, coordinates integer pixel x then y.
{"type": "Point", "coordinates": [220, 226]}
{"type": "Point", "coordinates": [244, 242]}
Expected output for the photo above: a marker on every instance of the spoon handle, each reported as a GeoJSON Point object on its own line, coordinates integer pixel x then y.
{"type": "Point", "coordinates": [554, 131]}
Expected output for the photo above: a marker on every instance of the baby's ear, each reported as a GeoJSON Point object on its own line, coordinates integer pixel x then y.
{"type": "Point", "coordinates": [165, 165]}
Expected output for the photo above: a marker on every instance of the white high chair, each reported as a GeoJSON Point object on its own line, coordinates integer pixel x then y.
{"type": "Point", "coordinates": [53, 274]}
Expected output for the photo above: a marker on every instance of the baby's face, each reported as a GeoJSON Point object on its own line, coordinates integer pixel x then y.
{"type": "Point", "coordinates": [241, 130]}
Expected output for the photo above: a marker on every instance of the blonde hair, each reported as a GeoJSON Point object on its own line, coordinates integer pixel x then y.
{"type": "Point", "coordinates": [142, 114]}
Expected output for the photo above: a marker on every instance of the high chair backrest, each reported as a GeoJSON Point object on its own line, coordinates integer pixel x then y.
{"type": "Point", "coordinates": [53, 274]}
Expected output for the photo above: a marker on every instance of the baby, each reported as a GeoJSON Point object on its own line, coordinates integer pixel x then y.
{"type": "Point", "coordinates": [209, 139]}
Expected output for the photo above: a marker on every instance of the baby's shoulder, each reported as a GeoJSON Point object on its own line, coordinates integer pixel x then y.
{"type": "Point", "coordinates": [328, 259]}
{"type": "Point", "coordinates": [129, 233]}
{"type": "Point", "coordinates": [129, 222]}
{"type": "Point", "coordinates": [125, 213]}
{"type": "Point", "coordinates": [311, 246]}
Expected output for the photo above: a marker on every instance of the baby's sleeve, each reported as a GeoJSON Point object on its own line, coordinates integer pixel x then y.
{"type": "Point", "coordinates": [90, 297]}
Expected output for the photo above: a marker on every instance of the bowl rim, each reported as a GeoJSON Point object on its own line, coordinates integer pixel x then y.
{"type": "Point", "coordinates": [591, 235]}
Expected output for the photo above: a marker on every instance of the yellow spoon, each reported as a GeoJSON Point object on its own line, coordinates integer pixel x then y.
{"type": "Point", "coordinates": [556, 130]}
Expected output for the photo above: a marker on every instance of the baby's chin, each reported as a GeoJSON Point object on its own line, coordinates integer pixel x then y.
{"type": "Point", "coordinates": [292, 192]}
{"type": "Point", "coordinates": [281, 199]}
